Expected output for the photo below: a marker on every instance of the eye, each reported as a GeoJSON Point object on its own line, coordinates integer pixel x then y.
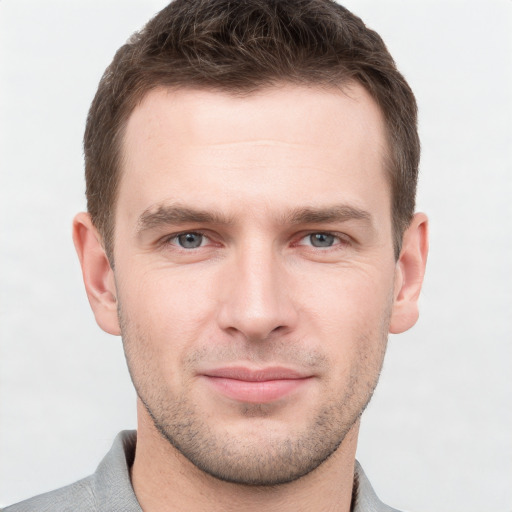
{"type": "Point", "coordinates": [189, 240]}
{"type": "Point", "coordinates": [321, 240]}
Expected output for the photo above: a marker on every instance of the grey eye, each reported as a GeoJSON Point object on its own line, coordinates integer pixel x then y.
{"type": "Point", "coordinates": [321, 240]}
{"type": "Point", "coordinates": [190, 240]}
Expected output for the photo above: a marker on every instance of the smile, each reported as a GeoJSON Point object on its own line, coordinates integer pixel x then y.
{"type": "Point", "coordinates": [256, 386]}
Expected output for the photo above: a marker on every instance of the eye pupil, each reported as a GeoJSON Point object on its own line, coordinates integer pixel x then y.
{"type": "Point", "coordinates": [321, 240]}
{"type": "Point", "coordinates": [190, 240]}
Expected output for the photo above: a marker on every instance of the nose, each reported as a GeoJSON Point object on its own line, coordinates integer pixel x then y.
{"type": "Point", "coordinates": [257, 299]}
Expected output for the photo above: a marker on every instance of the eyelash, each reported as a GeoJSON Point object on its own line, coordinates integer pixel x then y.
{"type": "Point", "coordinates": [168, 240]}
{"type": "Point", "coordinates": [339, 240]}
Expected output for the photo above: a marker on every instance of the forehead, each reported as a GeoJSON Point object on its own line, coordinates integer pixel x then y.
{"type": "Point", "coordinates": [287, 113]}
{"type": "Point", "coordinates": [268, 145]}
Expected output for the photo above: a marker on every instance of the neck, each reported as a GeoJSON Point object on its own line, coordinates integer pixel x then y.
{"type": "Point", "coordinates": [164, 480]}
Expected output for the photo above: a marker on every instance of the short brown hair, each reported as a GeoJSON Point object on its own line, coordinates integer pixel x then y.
{"type": "Point", "coordinates": [242, 46]}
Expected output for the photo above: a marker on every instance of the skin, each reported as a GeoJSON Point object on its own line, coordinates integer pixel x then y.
{"type": "Point", "coordinates": [285, 195]}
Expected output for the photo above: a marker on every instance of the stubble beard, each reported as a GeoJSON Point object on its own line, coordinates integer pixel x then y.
{"type": "Point", "coordinates": [268, 459]}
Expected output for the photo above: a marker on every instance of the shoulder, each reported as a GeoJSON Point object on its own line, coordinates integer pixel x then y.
{"type": "Point", "coordinates": [109, 489]}
{"type": "Point", "coordinates": [72, 498]}
{"type": "Point", "coordinates": [364, 498]}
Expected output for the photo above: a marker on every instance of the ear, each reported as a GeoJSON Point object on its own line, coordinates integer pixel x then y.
{"type": "Point", "coordinates": [97, 274]}
{"type": "Point", "coordinates": [410, 269]}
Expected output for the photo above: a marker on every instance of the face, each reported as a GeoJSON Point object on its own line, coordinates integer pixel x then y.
{"type": "Point", "coordinates": [255, 273]}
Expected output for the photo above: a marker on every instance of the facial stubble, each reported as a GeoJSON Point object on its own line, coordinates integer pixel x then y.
{"type": "Point", "coordinates": [268, 458]}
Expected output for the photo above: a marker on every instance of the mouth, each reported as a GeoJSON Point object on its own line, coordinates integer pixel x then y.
{"type": "Point", "coordinates": [256, 386]}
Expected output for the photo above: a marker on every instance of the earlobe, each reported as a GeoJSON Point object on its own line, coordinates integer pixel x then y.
{"type": "Point", "coordinates": [97, 274]}
{"type": "Point", "coordinates": [410, 269]}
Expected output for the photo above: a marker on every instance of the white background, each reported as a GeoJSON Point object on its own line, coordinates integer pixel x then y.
{"type": "Point", "coordinates": [438, 434]}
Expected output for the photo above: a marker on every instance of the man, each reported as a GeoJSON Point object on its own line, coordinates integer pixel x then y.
{"type": "Point", "coordinates": [251, 171]}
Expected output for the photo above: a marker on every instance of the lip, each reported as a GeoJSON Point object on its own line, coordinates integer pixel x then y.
{"type": "Point", "coordinates": [262, 385]}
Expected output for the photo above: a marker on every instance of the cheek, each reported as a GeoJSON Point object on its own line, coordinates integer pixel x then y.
{"type": "Point", "coordinates": [346, 296]}
{"type": "Point", "coordinates": [167, 310]}
{"type": "Point", "coordinates": [348, 315]}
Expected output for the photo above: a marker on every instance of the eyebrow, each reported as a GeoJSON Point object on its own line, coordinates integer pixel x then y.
{"type": "Point", "coordinates": [169, 215]}
{"type": "Point", "coordinates": [175, 214]}
{"type": "Point", "coordinates": [338, 213]}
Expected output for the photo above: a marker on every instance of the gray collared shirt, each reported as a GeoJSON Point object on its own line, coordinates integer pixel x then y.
{"type": "Point", "coordinates": [109, 489]}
